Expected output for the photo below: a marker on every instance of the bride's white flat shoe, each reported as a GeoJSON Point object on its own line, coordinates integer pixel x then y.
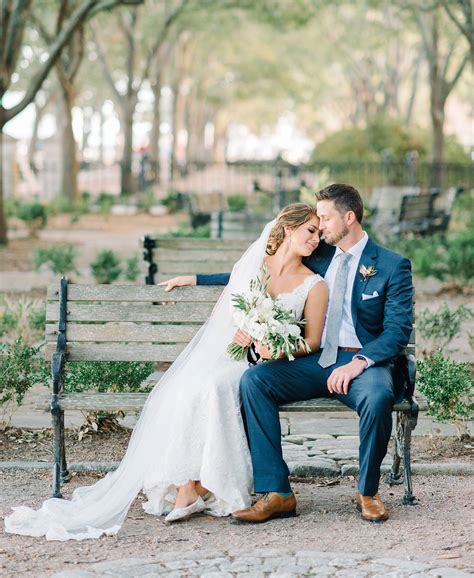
{"type": "Point", "coordinates": [181, 513]}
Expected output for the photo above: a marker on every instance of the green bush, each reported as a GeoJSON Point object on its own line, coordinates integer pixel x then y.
{"type": "Point", "coordinates": [174, 202]}
{"type": "Point", "coordinates": [117, 376]}
{"type": "Point", "coordinates": [448, 388]}
{"type": "Point", "coordinates": [106, 268]}
{"type": "Point", "coordinates": [443, 325]}
{"type": "Point", "coordinates": [445, 258]}
{"type": "Point", "coordinates": [236, 203]}
{"type": "Point", "coordinates": [132, 269]}
{"type": "Point", "coordinates": [383, 138]}
{"type": "Point", "coordinates": [34, 214]}
{"type": "Point", "coordinates": [60, 258]}
{"type": "Point", "coordinates": [20, 368]}
{"type": "Point", "coordinates": [105, 202]}
{"type": "Point", "coordinates": [147, 200]}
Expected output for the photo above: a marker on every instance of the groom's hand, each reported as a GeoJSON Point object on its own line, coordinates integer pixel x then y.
{"type": "Point", "coordinates": [341, 377]}
{"type": "Point", "coordinates": [242, 338]}
{"type": "Point", "coordinates": [182, 281]}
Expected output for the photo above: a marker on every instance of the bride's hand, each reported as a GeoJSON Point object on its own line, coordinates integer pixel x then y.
{"type": "Point", "coordinates": [182, 281]}
{"type": "Point", "coordinates": [241, 338]}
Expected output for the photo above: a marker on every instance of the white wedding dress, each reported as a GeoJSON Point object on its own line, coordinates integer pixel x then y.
{"type": "Point", "coordinates": [190, 429]}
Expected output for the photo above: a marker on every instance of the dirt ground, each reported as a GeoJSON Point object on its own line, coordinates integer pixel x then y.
{"type": "Point", "coordinates": [36, 445]}
{"type": "Point", "coordinates": [438, 528]}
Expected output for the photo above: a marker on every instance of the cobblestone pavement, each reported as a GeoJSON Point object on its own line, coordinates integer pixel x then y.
{"type": "Point", "coordinates": [264, 563]}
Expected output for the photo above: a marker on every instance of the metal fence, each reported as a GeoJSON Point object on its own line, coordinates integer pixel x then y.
{"type": "Point", "coordinates": [247, 177]}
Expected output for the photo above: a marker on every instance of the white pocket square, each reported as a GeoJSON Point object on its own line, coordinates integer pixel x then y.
{"type": "Point", "coordinates": [366, 297]}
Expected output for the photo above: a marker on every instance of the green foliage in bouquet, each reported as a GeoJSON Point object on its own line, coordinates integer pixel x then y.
{"type": "Point", "coordinates": [267, 321]}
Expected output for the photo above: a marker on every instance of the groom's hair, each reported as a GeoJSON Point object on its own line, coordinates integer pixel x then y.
{"type": "Point", "coordinates": [345, 198]}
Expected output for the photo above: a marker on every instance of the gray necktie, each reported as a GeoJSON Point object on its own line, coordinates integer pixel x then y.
{"type": "Point", "coordinates": [334, 317]}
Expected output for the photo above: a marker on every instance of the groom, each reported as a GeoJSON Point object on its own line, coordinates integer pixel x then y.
{"type": "Point", "coordinates": [368, 324]}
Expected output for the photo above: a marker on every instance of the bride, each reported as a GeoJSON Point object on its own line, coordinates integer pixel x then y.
{"type": "Point", "coordinates": [188, 452]}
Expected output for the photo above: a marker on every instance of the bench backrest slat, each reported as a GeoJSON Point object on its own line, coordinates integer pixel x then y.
{"type": "Point", "coordinates": [134, 293]}
{"type": "Point", "coordinates": [124, 332]}
{"type": "Point", "coordinates": [119, 351]}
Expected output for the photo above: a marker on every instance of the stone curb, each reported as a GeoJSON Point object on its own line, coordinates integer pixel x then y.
{"type": "Point", "coordinates": [436, 468]}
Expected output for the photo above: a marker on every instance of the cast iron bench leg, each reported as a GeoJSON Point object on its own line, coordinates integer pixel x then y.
{"type": "Point", "coordinates": [65, 475]}
{"type": "Point", "coordinates": [57, 449]}
{"type": "Point", "coordinates": [409, 423]}
{"type": "Point", "coordinates": [394, 477]}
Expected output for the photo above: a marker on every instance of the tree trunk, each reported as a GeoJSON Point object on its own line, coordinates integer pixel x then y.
{"type": "Point", "coordinates": [70, 165]}
{"type": "Point", "coordinates": [102, 136]}
{"type": "Point", "coordinates": [155, 133]}
{"type": "Point", "coordinates": [127, 186]}
{"type": "Point", "coordinates": [3, 221]}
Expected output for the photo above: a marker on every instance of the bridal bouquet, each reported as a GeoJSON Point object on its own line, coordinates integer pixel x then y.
{"type": "Point", "coordinates": [266, 320]}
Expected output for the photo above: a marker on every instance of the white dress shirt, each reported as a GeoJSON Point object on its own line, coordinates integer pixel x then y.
{"type": "Point", "coordinates": [347, 333]}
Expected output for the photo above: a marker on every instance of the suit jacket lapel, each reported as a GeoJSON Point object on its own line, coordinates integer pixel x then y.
{"type": "Point", "coordinates": [368, 258]}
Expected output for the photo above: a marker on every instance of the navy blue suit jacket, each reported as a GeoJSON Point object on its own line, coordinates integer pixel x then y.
{"type": "Point", "coordinates": [383, 324]}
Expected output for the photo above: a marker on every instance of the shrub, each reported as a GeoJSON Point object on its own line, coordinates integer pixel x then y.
{"type": "Point", "coordinates": [443, 325]}
{"type": "Point", "coordinates": [60, 258]}
{"type": "Point", "coordinates": [236, 203]}
{"type": "Point", "coordinates": [116, 376]}
{"type": "Point", "coordinates": [174, 201]}
{"type": "Point", "coordinates": [105, 202]}
{"type": "Point", "coordinates": [132, 270]}
{"type": "Point", "coordinates": [23, 318]}
{"type": "Point", "coordinates": [34, 214]}
{"type": "Point", "coordinates": [449, 258]}
{"type": "Point", "coordinates": [106, 268]}
{"type": "Point", "coordinates": [102, 376]}
{"type": "Point", "coordinates": [20, 368]}
{"type": "Point", "coordinates": [448, 388]}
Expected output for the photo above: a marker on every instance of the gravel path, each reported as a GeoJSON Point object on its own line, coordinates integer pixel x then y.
{"type": "Point", "coordinates": [437, 534]}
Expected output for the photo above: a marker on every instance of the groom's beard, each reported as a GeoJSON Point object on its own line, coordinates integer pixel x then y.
{"type": "Point", "coordinates": [334, 238]}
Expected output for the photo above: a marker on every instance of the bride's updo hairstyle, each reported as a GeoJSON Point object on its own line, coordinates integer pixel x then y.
{"type": "Point", "coordinates": [292, 216]}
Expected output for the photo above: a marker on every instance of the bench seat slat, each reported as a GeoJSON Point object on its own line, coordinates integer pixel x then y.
{"type": "Point", "coordinates": [128, 332]}
{"type": "Point", "coordinates": [118, 351]}
{"type": "Point", "coordinates": [91, 401]}
{"type": "Point", "coordinates": [135, 294]}
{"type": "Point", "coordinates": [180, 312]}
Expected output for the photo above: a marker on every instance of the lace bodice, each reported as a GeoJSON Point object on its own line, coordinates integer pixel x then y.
{"type": "Point", "coordinates": [296, 299]}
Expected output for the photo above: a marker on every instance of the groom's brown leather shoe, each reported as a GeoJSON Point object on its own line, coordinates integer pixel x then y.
{"type": "Point", "coordinates": [272, 505]}
{"type": "Point", "coordinates": [371, 508]}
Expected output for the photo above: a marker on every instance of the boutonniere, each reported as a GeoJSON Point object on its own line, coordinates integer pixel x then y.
{"type": "Point", "coordinates": [367, 272]}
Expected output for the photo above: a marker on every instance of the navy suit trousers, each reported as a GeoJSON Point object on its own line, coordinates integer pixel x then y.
{"type": "Point", "coordinates": [267, 385]}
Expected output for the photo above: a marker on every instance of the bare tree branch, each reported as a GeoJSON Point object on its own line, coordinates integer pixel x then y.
{"type": "Point", "coordinates": [161, 37]}
{"type": "Point", "coordinates": [77, 18]}
{"type": "Point", "coordinates": [464, 30]}
{"type": "Point", "coordinates": [457, 75]}
{"type": "Point", "coordinates": [105, 65]}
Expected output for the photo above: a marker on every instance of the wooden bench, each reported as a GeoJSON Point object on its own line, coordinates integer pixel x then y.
{"type": "Point", "coordinates": [97, 323]}
{"type": "Point", "coordinates": [424, 214]}
{"type": "Point", "coordinates": [168, 257]}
